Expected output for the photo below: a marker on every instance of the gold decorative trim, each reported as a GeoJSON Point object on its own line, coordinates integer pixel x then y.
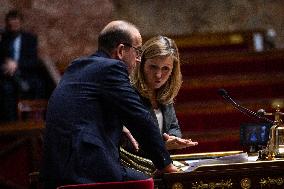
{"type": "Point", "coordinates": [177, 185]}
{"type": "Point", "coordinates": [245, 183]}
{"type": "Point", "coordinates": [271, 181]}
{"type": "Point", "coordinates": [212, 185]}
{"type": "Point", "coordinates": [136, 162]}
{"type": "Point", "coordinates": [236, 39]}
{"type": "Point", "coordinates": [204, 155]}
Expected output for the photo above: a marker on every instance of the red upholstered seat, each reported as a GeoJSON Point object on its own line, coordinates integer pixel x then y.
{"type": "Point", "coordinates": [137, 184]}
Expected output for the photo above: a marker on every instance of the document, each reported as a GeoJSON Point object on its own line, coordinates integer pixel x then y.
{"type": "Point", "coordinates": [190, 165]}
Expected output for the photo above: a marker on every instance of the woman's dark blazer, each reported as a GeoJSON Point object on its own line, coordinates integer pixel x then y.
{"type": "Point", "coordinates": [170, 122]}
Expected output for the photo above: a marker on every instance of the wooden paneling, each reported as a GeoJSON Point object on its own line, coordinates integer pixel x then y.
{"type": "Point", "coordinates": [254, 79]}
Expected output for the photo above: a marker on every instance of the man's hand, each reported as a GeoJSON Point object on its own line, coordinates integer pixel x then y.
{"type": "Point", "coordinates": [9, 67]}
{"type": "Point", "coordinates": [168, 169]}
{"type": "Point", "coordinates": [131, 138]}
{"type": "Point", "coordinates": [173, 142]}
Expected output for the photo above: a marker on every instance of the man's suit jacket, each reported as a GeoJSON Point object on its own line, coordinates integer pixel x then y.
{"type": "Point", "coordinates": [84, 121]}
{"type": "Point", "coordinates": [27, 81]}
{"type": "Point", "coordinates": [28, 60]}
{"type": "Point", "coordinates": [30, 71]}
{"type": "Point", "coordinates": [31, 76]}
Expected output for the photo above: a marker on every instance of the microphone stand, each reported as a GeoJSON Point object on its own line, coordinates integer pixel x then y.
{"type": "Point", "coordinates": [275, 144]}
{"type": "Point", "coordinates": [246, 111]}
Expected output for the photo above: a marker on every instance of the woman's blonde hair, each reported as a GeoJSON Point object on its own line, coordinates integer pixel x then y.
{"type": "Point", "coordinates": [157, 47]}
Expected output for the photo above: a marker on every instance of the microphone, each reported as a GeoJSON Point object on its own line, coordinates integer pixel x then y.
{"type": "Point", "coordinates": [259, 115]}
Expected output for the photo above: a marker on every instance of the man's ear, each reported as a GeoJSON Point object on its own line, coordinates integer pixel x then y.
{"type": "Point", "coordinates": [119, 52]}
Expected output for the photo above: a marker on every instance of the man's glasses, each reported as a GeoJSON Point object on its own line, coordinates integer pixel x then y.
{"type": "Point", "coordinates": [138, 50]}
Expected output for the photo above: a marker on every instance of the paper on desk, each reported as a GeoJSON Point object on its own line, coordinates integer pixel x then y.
{"type": "Point", "coordinates": [236, 158]}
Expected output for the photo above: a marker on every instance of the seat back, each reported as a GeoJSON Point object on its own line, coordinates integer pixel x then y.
{"type": "Point", "coordinates": [32, 109]}
{"type": "Point", "coordinates": [136, 184]}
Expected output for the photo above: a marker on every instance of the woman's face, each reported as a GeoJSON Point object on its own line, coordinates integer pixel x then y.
{"type": "Point", "coordinates": [157, 71]}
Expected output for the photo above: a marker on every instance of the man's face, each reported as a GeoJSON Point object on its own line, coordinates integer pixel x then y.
{"type": "Point", "coordinates": [132, 55]}
{"type": "Point", "coordinates": [14, 24]}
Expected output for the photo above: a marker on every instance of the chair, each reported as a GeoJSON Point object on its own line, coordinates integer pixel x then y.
{"type": "Point", "coordinates": [32, 109]}
{"type": "Point", "coordinates": [34, 182]}
{"type": "Point", "coordinates": [135, 184]}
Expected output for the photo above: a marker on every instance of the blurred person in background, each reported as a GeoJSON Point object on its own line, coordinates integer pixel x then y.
{"type": "Point", "coordinates": [21, 73]}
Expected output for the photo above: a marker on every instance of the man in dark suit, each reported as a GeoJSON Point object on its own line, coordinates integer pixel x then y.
{"type": "Point", "coordinates": [20, 75]}
{"type": "Point", "coordinates": [88, 109]}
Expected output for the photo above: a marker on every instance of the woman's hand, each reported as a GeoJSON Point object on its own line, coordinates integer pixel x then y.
{"type": "Point", "coordinates": [173, 142]}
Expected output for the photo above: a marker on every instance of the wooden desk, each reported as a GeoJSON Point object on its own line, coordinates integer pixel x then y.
{"type": "Point", "coordinates": [20, 152]}
{"type": "Point", "coordinates": [13, 128]}
{"type": "Point", "coordinates": [248, 175]}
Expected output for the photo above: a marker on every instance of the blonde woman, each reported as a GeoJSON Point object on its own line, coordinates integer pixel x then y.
{"type": "Point", "coordinates": [158, 79]}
